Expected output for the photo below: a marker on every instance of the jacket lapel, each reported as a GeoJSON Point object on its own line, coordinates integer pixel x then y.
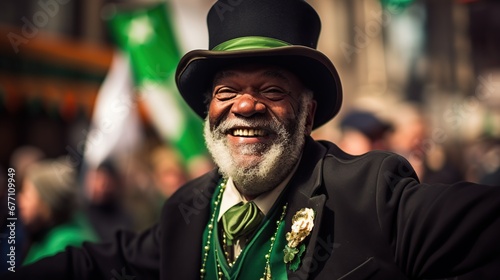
{"type": "Point", "coordinates": [302, 188]}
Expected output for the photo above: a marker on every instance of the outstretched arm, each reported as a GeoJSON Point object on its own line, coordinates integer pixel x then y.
{"type": "Point", "coordinates": [129, 256]}
{"type": "Point", "coordinates": [442, 231]}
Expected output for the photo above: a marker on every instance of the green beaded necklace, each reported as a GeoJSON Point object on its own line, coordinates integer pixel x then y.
{"type": "Point", "coordinates": [211, 225]}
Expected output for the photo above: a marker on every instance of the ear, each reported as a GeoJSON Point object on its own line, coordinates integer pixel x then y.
{"type": "Point", "coordinates": [310, 117]}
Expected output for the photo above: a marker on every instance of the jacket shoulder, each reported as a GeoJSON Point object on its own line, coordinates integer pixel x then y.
{"type": "Point", "coordinates": [369, 168]}
{"type": "Point", "coordinates": [334, 152]}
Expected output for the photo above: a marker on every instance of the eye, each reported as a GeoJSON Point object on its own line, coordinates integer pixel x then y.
{"type": "Point", "coordinates": [225, 93]}
{"type": "Point", "coordinates": [274, 93]}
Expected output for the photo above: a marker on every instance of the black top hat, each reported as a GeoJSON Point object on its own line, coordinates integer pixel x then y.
{"type": "Point", "coordinates": [280, 32]}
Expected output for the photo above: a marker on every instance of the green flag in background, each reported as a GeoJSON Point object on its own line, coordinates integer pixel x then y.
{"type": "Point", "coordinates": [146, 34]}
{"type": "Point", "coordinates": [396, 4]}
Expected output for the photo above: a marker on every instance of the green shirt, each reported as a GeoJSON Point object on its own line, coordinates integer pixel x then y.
{"type": "Point", "coordinates": [72, 233]}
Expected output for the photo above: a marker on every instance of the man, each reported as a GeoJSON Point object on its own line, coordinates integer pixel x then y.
{"type": "Point", "coordinates": [50, 210]}
{"type": "Point", "coordinates": [304, 209]}
{"type": "Point", "coordinates": [362, 131]}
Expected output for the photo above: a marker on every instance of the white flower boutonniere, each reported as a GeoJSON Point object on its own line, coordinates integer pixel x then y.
{"type": "Point", "coordinates": [302, 225]}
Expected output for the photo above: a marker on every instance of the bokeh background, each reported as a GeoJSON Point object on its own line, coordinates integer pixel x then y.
{"type": "Point", "coordinates": [429, 68]}
{"type": "Point", "coordinates": [87, 86]}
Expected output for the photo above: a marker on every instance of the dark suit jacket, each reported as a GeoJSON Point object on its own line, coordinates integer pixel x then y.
{"type": "Point", "coordinates": [373, 221]}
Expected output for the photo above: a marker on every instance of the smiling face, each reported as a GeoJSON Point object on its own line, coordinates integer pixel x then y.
{"type": "Point", "coordinates": [256, 126]}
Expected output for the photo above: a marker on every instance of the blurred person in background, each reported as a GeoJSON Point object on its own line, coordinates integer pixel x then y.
{"type": "Point", "coordinates": [168, 170]}
{"type": "Point", "coordinates": [411, 138]}
{"type": "Point", "coordinates": [23, 157]}
{"type": "Point", "coordinates": [362, 131]}
{"type": "Point", "coordinates": [483, 161]}
{"type": "Point", "coordinates": [149, 180]}
{"type": "Point", "coordinates": [152, 175]}
{"type": "Point", "coordinates": [20, 160]}
{"type": "Point", "coordinates": [50, 210]}
{"type": "Point", "coordinates": [482, 126]}
{"type": "Point", "coordinates": [104, 203]}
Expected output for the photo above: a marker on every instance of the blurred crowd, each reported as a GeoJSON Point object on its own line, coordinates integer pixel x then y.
{"type": "Point", "coordinates": [434, 153]}
{"type": "Point", "coordinates": [59, 205]}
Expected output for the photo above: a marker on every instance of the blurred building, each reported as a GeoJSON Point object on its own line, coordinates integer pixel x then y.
{"type": "Point", "coordinates": [51, 67]}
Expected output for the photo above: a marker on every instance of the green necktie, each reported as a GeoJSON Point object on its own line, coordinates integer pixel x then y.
{"type": "Point", "coordinates": [241, 220]}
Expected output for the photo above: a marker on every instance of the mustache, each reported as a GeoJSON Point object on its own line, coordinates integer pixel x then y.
{"type": "Point", "coordinates": [269, 124]}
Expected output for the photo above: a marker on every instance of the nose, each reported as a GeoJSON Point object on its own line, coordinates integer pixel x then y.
{"type": "Point", "coordinates": [247, 105]}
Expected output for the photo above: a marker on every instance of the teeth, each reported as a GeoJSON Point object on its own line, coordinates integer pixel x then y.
{"type": "Point", "coordinates": [248, 132]}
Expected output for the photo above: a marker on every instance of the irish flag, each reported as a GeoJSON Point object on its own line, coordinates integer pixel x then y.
{"type": "Point", "coordinates": [146, 35]}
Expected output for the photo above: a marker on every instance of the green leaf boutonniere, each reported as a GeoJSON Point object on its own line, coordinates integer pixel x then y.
{"type": "Point", "coordinates": [302, 225]}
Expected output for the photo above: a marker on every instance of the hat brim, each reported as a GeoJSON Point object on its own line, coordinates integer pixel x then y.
{"type": "Point", "coordinates": [197, 69]}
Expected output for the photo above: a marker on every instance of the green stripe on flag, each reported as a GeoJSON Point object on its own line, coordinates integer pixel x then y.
{"type": "Point", "coordinates": [396, 4]}
{"type": "Point", "coordinates": [146, 34]}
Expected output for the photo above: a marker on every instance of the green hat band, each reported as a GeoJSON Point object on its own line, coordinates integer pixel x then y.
{"type": "Point", "coordinates": [250, 43]}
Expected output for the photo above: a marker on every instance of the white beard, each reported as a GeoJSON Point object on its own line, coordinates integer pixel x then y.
{"type": "Point", "coordinates": [277, 159]}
